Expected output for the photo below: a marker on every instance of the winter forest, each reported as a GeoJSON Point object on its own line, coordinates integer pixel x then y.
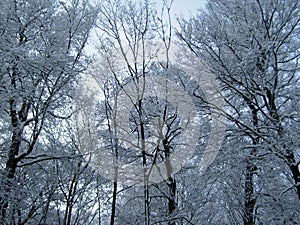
{"type": "Point", "coordinates": [116, 112]}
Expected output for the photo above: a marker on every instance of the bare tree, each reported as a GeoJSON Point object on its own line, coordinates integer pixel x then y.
{"type": "Point", "coordinates": [134, 47]}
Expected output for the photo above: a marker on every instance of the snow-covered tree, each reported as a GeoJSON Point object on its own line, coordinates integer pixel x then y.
{"type": "Point", "coordinates": [253, 49]}
{"type": "Point", "coordinates": [42, 54]}
{"type": "Point", "coordinates": [144, 119]}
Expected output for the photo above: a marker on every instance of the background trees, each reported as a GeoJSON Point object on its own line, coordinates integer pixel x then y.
{"type": "Point", "coordinates": [132, 38]}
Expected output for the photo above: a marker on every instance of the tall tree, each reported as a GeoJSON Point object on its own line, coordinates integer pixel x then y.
{"type": "Point", "coordinates": [253, 48]}
{"type": "Point", "coordinates": [140, 113]}
{"type": "Point", "coordinates": [42, 53]}
{"type": "Point", "coordinates": [130, 28]}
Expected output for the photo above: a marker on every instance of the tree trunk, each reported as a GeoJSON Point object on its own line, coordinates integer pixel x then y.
{"type": "Point", "coordinates": [250, 200]}
{"type": "Point", "coordinates": [172, 198]}
{"type": "Point", "coordinates": [11, 164]}
{"type": "Point", "coordinates": [294, 167]}
{"type": "Point", "coordinates": [170, 181]}
{"type": "Point", "coordinates": [114, 201]}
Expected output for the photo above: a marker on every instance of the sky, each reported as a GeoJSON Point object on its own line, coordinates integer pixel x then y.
{"type": "Point", "coordinates": [187, 7]}
{"type": "Point", "coordinates": [181, 7]}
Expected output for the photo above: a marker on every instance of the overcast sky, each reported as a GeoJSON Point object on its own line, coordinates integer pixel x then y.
{"type": "Point", "coordinates": [187, 7]}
